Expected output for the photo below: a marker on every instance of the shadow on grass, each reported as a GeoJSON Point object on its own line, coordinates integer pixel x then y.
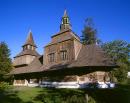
{"type": "Point", "coordinates": [121, 94]}
{"type": "Point", "coordinates": [61, 96]}
{"type": "Point", "coordinates": [7, 96]}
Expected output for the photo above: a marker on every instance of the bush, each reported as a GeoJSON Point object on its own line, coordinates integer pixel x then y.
{"type": "Point", "coordinates": [4, 85]}
{"type": "Point", "coordinates": [128, 81]}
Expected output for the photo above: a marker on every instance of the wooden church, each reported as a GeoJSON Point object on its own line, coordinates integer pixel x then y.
{"type": "Point", "coordinates": [66, 62]}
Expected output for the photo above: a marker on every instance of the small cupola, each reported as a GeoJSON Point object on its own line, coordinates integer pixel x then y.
{"type": "Point", "coordinates": [29, 44]}
{"type": "Point", "coordinates": [65, 24]}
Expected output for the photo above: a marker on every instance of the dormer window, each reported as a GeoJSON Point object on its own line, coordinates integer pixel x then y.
{"type": "Point", "coordinates": [51, 57]}
{"type": "Point", "coordinates": [63, 55]}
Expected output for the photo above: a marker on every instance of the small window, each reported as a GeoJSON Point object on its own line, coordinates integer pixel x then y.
{"type": "Point", "coordinates": [32, 48]}
{"type": "Point", "coordinates": [25, 48]}
{"type": "Point", "coordinates": [63, 55]}
{"type": "Point", "coordinates": [51, 57]}
{"type": "Point", "coordinates": [28, 46]}
{"type": "Point", "coordinates": [65, 20]}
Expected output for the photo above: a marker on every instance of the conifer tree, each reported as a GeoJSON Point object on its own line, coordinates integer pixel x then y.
{"type": "Point", "coordinates": [89, 32]}
{"type": "Point", "coordinates": [5, 61]}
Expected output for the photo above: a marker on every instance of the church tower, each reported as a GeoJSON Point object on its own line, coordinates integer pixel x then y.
{"type": "Point", "coordinates": [65, 24]}
{"type": "Point", "coordinates": [28, 53]}
{"type": "Point", "coordinates": [29, 44]}
{"type": "Point", "coordinates": [64, 46]}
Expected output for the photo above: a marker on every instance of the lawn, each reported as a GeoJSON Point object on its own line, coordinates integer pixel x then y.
{"type": "Point", "coordinates": [44, 95]}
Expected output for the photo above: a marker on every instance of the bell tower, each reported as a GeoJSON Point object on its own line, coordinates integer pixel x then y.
{"type": "Point", "coordinates": [29, 44]}
{"type": "Point", "coordinates": [65, 24]}
{"type": "Point", "coordinates": [28, 53]}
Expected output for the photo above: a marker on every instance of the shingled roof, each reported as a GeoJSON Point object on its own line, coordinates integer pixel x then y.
{"type": "Point", "coordinates": [70, 35]}
{"type": "Point", "coordinates": [30, 40]}
{"type": "Point", "coordinates": [28, 52]}
{"type": "Point", "coordinates": [92, 55]}
{"type": "Point", "coordinates": [35, 66]}
{"type": "Point", "coordinates": [89, 56]}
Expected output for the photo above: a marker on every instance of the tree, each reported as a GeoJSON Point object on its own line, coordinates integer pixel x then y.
{"type": "Point", "coordinates": [120, 52]}
{"type": "Point", "coordinates": [5, 61]}
{"type": "Point", "coordinates": [89, 32]}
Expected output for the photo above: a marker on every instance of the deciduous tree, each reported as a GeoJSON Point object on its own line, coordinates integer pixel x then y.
{"type": "Point", "coordinates": [119, 51]}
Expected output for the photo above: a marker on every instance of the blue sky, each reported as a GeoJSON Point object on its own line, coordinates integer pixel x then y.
{"type": "Point", "coordinates": [43, 17]}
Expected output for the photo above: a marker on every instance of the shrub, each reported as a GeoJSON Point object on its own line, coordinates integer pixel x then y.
{"type": "Point", "coordinates": [4, 85]}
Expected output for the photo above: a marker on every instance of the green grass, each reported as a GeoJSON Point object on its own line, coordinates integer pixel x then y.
{"type": "Point", "coordinates": [44, 95]}
{"type": "Point", "coordinates": [27, 94]}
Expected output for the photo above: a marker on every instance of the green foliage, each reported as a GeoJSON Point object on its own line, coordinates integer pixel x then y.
{"type": "Point", "coordinates": [62, 96]}
{"type": "Point", "coordinates": [119, 51]}
{"type": "Point", "coordinates": [4, 86]}
{"type": "Point", "coordinates": [89, 32]}
{"type": "Point", "coordinates": [91, 100]}
{"type": "Point", "coordinates": [5, 61]}
{"type": "Point", "coordinates": [128, 81]}
{"type": "Point", "coordinates": [48, 95]}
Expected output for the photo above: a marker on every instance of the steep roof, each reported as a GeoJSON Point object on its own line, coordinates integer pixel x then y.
{"type": "Point", "coordinates": [92, 55]}
{"type": "Point", "coordinates": [89, 56]}
{"type": "Point", "coordinates": [65, 13]}
{"type": "Point", "coordinates": [30, 40]}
